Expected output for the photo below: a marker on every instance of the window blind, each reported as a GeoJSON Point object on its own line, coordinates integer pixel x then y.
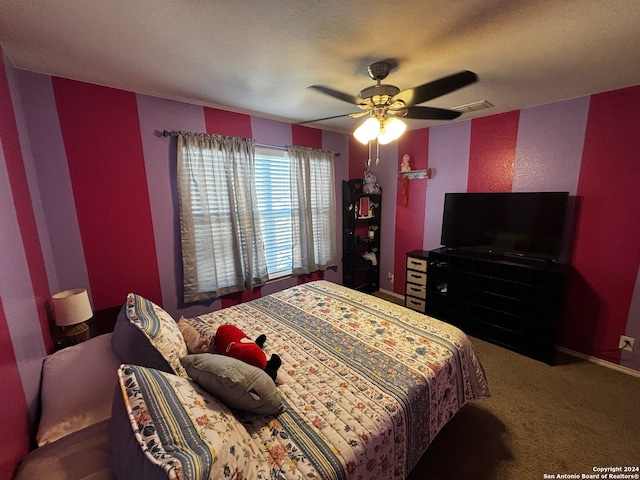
{"type": "Point", "coordinates": [274, 205]}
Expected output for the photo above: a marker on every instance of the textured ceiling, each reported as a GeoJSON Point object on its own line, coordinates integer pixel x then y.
{"type": "Point", "coordinates": [259, 57]}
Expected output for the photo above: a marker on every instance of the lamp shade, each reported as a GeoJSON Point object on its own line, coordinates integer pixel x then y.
{"type": "Point", "coordinates": [71, 307]}
{"type": "Point", "coordinates": [368, 130]}
{"type": "Point", "coordinates": [392, 130]}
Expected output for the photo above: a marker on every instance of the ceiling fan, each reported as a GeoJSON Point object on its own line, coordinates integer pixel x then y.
{"type": "Point", "coordinates": [384, 102]}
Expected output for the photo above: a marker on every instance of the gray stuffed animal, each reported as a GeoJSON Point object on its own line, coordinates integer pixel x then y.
{"type": "Point", "coordinates": [370, 184]}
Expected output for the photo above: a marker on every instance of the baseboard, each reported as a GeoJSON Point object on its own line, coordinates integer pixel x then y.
{"type": "Point", "coordinates": [599, 361]}
{"type": "Point", "coordinates": [393, 294]}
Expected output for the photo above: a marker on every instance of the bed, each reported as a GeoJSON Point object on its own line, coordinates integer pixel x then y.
{"type": "Point", "coordinates": [364, 387]}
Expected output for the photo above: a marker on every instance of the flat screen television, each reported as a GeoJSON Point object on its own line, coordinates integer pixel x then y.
{"type": "Point", "coordinates": [524, 224]}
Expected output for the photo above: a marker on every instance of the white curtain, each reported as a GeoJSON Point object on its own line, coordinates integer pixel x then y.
{"type": "Point", "coordinates": [313, 209]}
{"type": "Point", "coordinates": [222, 250]}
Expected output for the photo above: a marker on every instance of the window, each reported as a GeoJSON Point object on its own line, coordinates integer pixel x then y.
{"type": "Point", "coordinates": [248, 215]}
{"type": "Point", "coordinates": [273, 188]}
{"type": "Point", "coordinates": [296, 202]}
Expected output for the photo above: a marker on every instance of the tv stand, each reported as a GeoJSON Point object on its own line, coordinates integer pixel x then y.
{"type": "Point", "coordinates": [530, 260]}
{"type": "Point", "coordinates": [512, 302]}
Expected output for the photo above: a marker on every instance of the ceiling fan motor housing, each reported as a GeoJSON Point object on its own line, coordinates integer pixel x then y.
{"type": "Point", "coordinates": [379, 94]}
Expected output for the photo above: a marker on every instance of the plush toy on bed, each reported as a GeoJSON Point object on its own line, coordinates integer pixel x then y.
{"type": "Point", "coordinates": [233, 342]}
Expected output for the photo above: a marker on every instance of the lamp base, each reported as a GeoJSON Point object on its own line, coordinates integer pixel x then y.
{"type": "Point", "coordinates": [76, 334]}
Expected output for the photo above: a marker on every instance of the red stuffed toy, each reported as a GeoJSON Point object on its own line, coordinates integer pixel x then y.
{"type": "Point", "coordinates": [233, 342]}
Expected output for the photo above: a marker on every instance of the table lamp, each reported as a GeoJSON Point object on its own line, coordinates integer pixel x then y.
{"type": "Point", "coordinates": [71, 310]}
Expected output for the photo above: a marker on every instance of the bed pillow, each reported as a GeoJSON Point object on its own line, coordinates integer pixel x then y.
{"type": "Point", "coordinates": [198, 336]}
{"type": "Point", "coordinates": [236, 383]}
{"type": "Point", "coordinates": [165, 426]}
{"type": "Point", "coordinates": [77, 388]}
{"type": "Point", "coordinates": [146, 335]}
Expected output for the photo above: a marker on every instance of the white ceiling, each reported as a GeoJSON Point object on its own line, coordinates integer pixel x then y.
{"type": "Point", "coordinates": [259, 56]}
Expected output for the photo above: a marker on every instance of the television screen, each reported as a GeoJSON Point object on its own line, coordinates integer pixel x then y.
{"type": "Point", "coordinates": [529, 224]}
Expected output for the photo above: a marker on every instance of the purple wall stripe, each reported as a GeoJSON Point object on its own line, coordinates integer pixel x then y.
{"type": "Point", "coordinates": [549, 147]}
{"type": "Point", "coordinates": [387, 174]}
{"type": "Point", "coordinates": [54, 184]}
{"type": "Point", "coordinates": [449, 157]}
{"type": "Point", "coordinates": [28, 155]}
{"type": "Point", "coordinates": [271, 132]}
{"type": "Point", "coordinates": [160, 164]}
{"type": "Point", "coordinates": [18, 297]}
{"type": "Point", "coordinates": [339, 143]}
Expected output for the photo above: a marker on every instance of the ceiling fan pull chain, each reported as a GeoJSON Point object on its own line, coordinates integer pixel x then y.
{"type": "Point", "coordinates": [377, 152]}
{"type": "Point", "coordinates": [369, 160]}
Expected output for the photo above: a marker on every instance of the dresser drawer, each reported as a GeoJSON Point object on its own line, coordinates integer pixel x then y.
{"type": "Point", "coordinates": [419, 264]}
{"type": "Point", "coordinates": [415, 304]}
{"type": "Point", "coordinates": [418, 278]}
{"type": "Point", "coordinates": [419, 291]}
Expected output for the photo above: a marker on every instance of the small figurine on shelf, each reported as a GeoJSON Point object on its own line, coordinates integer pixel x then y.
{"type": "Point", "coordinates": [405, 166]}
{"type": "Point", "coordinates": [372, 231]}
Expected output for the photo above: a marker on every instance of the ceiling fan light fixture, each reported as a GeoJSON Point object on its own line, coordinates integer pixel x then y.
{"type": "Point", "coordinates": [368, 131]}
{"type": "Point", "coordinates": [392, 130]}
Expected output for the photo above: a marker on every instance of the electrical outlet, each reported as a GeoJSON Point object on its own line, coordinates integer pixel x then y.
{"type": "Point", "coordinates": [626, 343]}
{"type": "Point", "coordinates": [390, 277]}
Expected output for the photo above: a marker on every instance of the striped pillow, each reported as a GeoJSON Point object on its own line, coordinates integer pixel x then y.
{"type": "Point", "coordinates": [172, 426]}
{"type": "Point", "coordinates": [146, 335]}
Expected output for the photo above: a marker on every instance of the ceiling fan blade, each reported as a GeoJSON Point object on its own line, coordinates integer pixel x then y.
{"type": "Point", "coordinates": [352, 115]}
{"type": "Point", "coordinates": [430, 113]}
{"type": "Point", "coordinates": [345, 97]}
{"type": "Point", "coordinates": [427, 91]}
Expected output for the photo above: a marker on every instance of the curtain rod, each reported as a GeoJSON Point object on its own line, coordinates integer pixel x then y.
{"type": "Point", "coordinates": [173, 133]}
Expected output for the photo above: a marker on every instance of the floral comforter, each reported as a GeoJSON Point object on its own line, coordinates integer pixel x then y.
{"type": "Point", "coordinates": [367, 384]}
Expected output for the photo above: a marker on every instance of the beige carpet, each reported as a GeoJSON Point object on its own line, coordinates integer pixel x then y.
{"type": "Point", "coordinates": [564, 419]}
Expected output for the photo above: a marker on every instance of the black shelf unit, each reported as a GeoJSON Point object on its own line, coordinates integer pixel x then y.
{"type": "Point", "coordinates": [516, 304]}
{"type": "Point", "coordinates": [360, 215]}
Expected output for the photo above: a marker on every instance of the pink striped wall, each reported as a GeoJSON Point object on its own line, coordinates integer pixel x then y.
{"type": "Point", "coordinates": [88, 199]}
{"type": "Point", "coordinates": [492, 153]}
{"type": "Point", "coordinates": [607, 253]}
{"type": "Point", "coordinates": [112, 205]}
{"type": "Point", "coordinates": [231, 124]}
{"type": "Point", "coordinates": [586, 146]}
{"type": "Point", "coordinates": [407, 237]}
